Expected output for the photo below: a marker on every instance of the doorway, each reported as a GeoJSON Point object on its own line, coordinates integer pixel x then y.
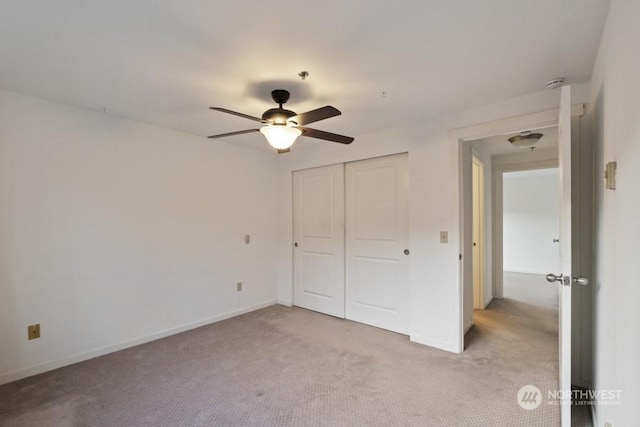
{"type": "Point", "coordinates": [575, 156]}
{"type": "Point", "coordinates": [497, 155]}
{"type": "Point", "coordinates": [530, 218]}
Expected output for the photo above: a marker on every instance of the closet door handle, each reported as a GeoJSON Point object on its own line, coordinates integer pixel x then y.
{"type": "Point", "coordinates": [406, 251]}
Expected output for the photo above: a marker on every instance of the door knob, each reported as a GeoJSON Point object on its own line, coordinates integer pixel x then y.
{"type": "Point", "coordinates": [583, 281]}
{"type": "Point", "coordinates": [295, 244]}
{"type": "Point", "coordinates": [556, 240]}
{"type": "Point", "coordinates": [406, 251]}
{"type": "Point", "coordinates": [553, 278]}
{"type": "Point", "coordinates": [564, 280]}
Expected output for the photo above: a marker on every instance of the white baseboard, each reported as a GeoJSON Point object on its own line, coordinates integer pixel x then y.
{"type": "Point", "coordinates": [284, 302]}
{"type": "Point", "coordinates": [80, 357]}
{"type": "Point", "coordinates": [442, 345]}
{"type": "Point", "coordinates": [486, 303]}
{"type": "Point", "coordinates": [468, 326]}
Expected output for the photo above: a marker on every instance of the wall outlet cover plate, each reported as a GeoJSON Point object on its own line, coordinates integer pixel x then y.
{"type": "Point", "coordinates": [33, 331]}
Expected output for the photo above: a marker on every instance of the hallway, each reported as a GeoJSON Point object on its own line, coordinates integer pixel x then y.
{"type": "Point", "coordinates": [521, 332]}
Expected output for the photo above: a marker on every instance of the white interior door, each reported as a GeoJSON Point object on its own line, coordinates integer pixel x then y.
{"type": "Point", "coordinates": [377, 238]}
{"type": "Point", "coordinates": [566, 279]}
{"type": "Point", "coordinates": [318, 233]}
{"type": "Point", "coordinates": [478, 218]}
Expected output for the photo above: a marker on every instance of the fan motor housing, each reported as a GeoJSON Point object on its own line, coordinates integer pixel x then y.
{"type": "Point", "coordinates": [280, 96]}
{"type": "Point", "coordinates": [277, 116]}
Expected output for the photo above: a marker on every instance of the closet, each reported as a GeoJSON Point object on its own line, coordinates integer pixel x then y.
{"type": "Point", "coordinates": [351, 241]}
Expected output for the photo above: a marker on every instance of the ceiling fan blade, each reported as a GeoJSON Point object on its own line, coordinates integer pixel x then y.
{"type": "Point", "coordinates": [235, 113]}
{"type": "Point", "coordinates": [327, 136]}
{"type": "Point", "coordinates": [240, 132]}
{"type": "Point", "coordinates": [314, 115]}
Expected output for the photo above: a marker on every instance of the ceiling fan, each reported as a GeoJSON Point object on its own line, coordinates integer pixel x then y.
{"type": "Point", "coordinates": [282, 127]}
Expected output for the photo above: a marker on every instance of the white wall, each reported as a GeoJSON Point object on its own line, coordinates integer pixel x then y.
{"type": "Point", "coordinates": [530, 221]}
{"type": "Point", "coordinates": [616, 113]}
{"type": "Point", "coordinates": [114, 232]}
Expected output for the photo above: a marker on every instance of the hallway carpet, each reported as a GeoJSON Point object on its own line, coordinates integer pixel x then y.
{"type": "Point", "coordinates": [284, 366]}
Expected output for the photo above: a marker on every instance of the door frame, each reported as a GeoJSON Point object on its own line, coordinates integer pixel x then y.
{"type": "Point", "coordinates": [462, 138]}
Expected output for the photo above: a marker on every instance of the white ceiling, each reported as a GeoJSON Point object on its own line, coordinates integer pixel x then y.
{"type": "Point", "coordinates": [165, 62]}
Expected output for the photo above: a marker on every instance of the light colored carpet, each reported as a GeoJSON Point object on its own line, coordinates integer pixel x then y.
{"type": "Point", "coordinates": [285, 366]}
{"type": "Point", "coordinates": [521, 292]}
{"type": "Point", "coordinates": [531, 289]}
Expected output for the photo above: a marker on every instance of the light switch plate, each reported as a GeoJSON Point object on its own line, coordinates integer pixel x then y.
{"type": "Point", "coordinates": [610, 175]}
{"type": "Point", "coordinates": [444, 237]}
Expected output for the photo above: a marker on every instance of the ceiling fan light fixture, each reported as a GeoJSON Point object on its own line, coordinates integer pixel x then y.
{"type": "Point", "coordinates": [525, 139]}
{"type": "Point", "coordinates": [280, 136]}
{"type": "Point", "coordinates": [282, 127]}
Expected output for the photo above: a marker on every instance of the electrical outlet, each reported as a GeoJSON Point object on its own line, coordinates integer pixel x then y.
{"type": "Point", "coordinates": [33, 331]}
{"type": "Point", "coordinates": [444, 237]}
{"type": "Point", "coordinates": [239, 286]}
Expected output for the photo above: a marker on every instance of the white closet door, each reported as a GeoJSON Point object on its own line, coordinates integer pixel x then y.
{"type": "Point", "coordinates": [377, 242]}
{"type": "Point", "coordinates": [318, 233]}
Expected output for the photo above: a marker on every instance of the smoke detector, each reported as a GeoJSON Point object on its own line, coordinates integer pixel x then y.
{"type": "Point", "coordinates": [525, 139]}
{"type": "Point", "coordinates": [554, 83]}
